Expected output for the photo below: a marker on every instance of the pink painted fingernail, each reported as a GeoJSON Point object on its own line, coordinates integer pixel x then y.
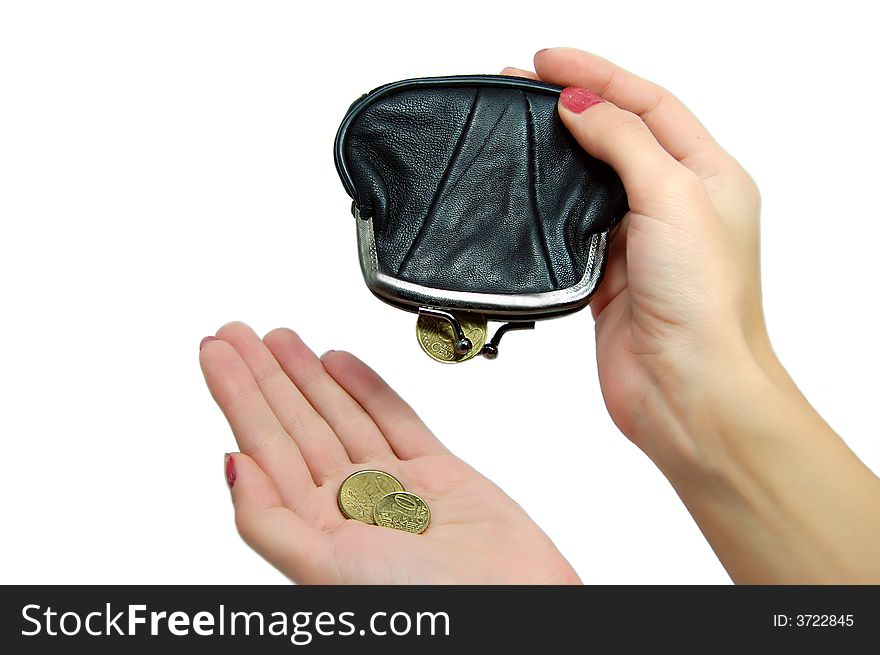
{"type": "Point", "coordinates": [206, 340]}
{"type": "Point", "coordinates": [229, 466]}
{"type": "Point", "coordinates": [578, 99]}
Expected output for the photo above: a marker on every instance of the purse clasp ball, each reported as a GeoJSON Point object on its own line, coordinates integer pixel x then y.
{"type": "Point", "coordinates": [452, 337]}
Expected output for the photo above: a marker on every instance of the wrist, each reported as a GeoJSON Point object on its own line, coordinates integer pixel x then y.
{"type": "Point", "coordinates": [700, 401]}
{"type": "Point", "coordinates": [763, 474]}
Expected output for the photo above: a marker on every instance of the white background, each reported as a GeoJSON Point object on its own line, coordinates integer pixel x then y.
{"type": "Point", "coordinates": [166, 167]}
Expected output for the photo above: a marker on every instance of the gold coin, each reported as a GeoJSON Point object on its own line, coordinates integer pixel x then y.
{"type": "Point", "coordinates": [359, 492]}
{"type": "Point", "coordinates": [437, 338]}
{"type": "Point", "coordinates": [402, 510]}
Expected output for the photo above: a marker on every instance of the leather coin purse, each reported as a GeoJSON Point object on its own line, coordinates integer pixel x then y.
{"type": "Point", "coordinates": [474, 203]}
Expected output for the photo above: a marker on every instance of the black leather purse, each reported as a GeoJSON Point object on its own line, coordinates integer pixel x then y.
{"type": "Point", "coordinates": [474, 203]}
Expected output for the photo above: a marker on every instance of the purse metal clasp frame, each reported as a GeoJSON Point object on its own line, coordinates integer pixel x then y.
{"type": "Point", "coordinates": [462, 345]}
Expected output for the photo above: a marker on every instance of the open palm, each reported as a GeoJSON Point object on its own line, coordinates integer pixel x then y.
{"type": "Point", "coordinates": [304, 424]}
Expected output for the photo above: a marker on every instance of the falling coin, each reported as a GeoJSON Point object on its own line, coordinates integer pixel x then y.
{"type": "Point", "coordinates": [360, 491]}
{"type": "Point", "coordinates": [402, 510]}
{"type": "Point", "coordinates": [437, 338]}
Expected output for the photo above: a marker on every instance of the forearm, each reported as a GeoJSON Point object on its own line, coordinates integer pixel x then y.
{"type": "Point", "coordinates": [777, 493]}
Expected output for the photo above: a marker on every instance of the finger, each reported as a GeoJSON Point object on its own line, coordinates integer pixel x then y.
{"type": "Point", "coordinates": [408, 436]}
{"type": "Point", "coordinates": [320, 448]}
{"type": "Point", "coordinates": [255, 426]}
{"type": "Point", "coordinates": [655, 182]}
{"type": "Point", "coordinates": [615, 278]}
{"type": "Point", "coordinates": [361, 437]}
{"type": "Point", "coordinates": [672, 123]}
{"type": "Point", "coordinates": [299, 550]}
{"type": "Point", "coordinates": [519, 72]}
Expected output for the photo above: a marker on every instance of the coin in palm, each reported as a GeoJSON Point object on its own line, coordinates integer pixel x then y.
{"type": "Point", "coordinates": [402, 510]}
{"type": "Point", "coordinates": [360, 491]}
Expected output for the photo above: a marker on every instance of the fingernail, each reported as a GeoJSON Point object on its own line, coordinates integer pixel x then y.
{"type": "Point", "coordinates": [206, 340]}
{"type": "Point", "coordinates": [229, 465]}
{"type": "Point", "coordinates": [327, 353]}
{"type": "Point", "coordinates": [578, 99]}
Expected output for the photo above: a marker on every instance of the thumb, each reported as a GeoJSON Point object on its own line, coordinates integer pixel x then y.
{"type": "Point", "coordinates": [653, 179]}
{"type": "Point", "coordinates": [299, 550]}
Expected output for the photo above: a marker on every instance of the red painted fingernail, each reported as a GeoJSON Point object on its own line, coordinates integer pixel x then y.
{"type": "Point", "coordinates": [578, 99]}
{"type": "Point", "coordinates": [206, 340]}
{"type": "Point", "coordinates": [229, 465]}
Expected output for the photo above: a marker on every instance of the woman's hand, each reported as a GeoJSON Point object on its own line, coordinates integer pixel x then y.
{"type": "Point", "coordinates": [685, 364]}
{"type": "Point", "coordinates": [304, 424]}
{"type": "Point", "coordinates": [681, 297]}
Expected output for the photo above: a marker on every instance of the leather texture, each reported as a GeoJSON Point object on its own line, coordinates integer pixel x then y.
{"type": "Point", "coordinates": [474, 184]}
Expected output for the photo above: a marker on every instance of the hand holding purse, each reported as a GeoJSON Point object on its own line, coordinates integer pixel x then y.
{"type": "Point", "coordinates": [474, 203]}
